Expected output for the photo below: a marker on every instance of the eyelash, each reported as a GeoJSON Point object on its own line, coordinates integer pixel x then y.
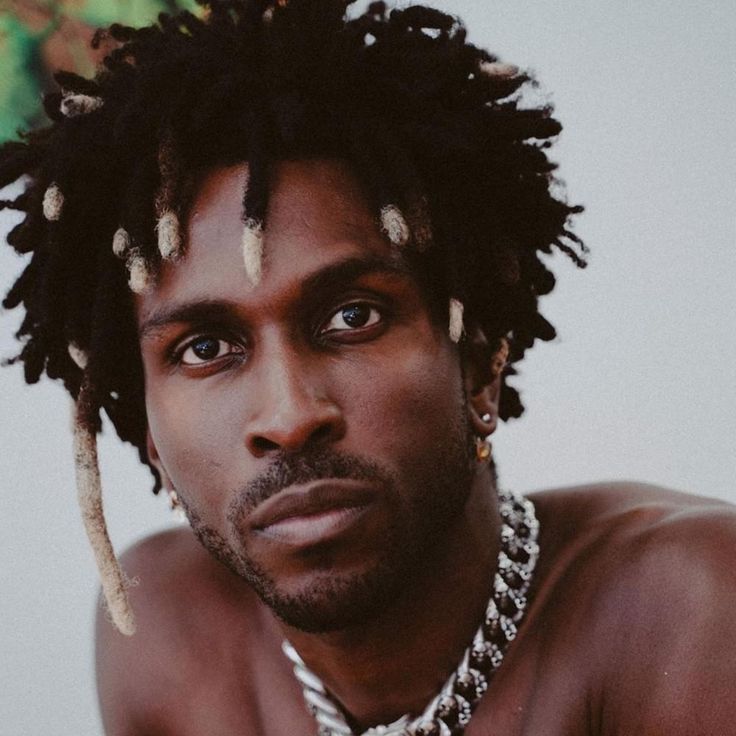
{"type": "Point", "coordinates": [378, 315]}
{"type": "Point", "coordinates": [375, 313]}
{"type": "Point", "coordinates": [176, 357]}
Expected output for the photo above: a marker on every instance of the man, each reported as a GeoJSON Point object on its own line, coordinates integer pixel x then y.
{"type": "Point", "coordinates": [326, 300]}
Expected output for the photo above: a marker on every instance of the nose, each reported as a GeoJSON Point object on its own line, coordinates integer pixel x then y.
{"type": "Point", "coordinates": [293, 409]}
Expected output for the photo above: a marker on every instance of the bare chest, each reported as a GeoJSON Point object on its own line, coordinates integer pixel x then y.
{"type": "Point", "coordinates": [270, 703]}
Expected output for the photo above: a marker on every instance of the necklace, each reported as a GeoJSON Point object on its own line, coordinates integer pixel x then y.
{"type": "Point", "coordinates": [449, 712]}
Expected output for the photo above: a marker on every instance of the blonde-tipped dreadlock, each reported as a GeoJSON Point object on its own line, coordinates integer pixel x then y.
{"type": "Point", "coordinates": [78, 355]}
{"type": "Point", "coordinates": [121, 242]}
{"type": "Point", "coordinates": [169, 231]}
{"type": "Point", "coordinates": [89, 495]}
{"type": "Point", "coordinates": [169, 235]}
{"type": "Point", "coordinates": [498, 70]}
{"type": "Point", "coordinates": [456, 320]}
{"type": "Point", "coordinates": [253, 250]}
{"type": "Point", "coordinates": [73, 105]}
{"type": "Point", "coordinates": [394, 225]}
{"type": "Point", "coordinates": [53, 202]}
{"type": "Point", "coordinates": [140, 276]}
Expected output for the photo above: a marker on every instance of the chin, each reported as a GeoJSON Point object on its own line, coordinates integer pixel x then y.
{"type": "Point", "coordinates": [330, 602]}
{"type": "Point", "coordinates": [328, 596]}
{"type": "Point", "coordinates": [317, 600]}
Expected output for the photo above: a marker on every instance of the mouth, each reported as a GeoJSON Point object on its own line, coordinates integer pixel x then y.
{"type": "Point", "coordinates": [313, 513]}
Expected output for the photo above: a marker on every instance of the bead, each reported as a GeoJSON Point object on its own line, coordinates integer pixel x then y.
{"type": "Point", "coordinates": [507, 605]}
{"type": "Point", "coordinates": [463, 717]}
{"type": "Point", "coordinates": [512, 578]}
{"type": "Point", "coordinates": [481, 658]}
{"type": "Point", "coordinates": [518, 553]}
{"type": "Point", "coordinates": [427, 728]}
{"type": "Point", "coordinates": [509, 628]}
{"type": "Point", "coordinates": [492, 629]}
{"type": "Point", "coordinates": [481, 683]}
{"type": "Point", "coordinates": [496, 656]}
{"type": "Point", "coordinates": [448, 710]}
{"type": "Point", "coordinates": [518, 506]}
{"type": "Point", "coordinates": [465, 685]}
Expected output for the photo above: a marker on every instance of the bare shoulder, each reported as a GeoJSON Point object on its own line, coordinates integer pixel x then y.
{"type": "Point", "coordinates": [601, 502]}
{"type": "Point", "coordinates": [650, 575]}
{"type": "Point", "coordinates": [641, 535]}
{"type": "Point", "coordinates": [181, 598]}
{"type": "Point", "coordinates": [640, 524]}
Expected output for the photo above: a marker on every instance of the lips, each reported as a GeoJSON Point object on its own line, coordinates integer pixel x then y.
{"type": "Point", "coordinates": [314, 512]}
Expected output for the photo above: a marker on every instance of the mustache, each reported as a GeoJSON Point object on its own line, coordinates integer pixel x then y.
{"type": "Point", "coordinates": [288, 470]}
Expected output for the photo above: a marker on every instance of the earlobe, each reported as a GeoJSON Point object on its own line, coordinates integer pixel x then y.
{"type": "Point", "coordinates": [483, 386]}
{"type": "Point", "coordinates": [155, 460]}
{"type": "Point", "coordinates": [483, 413]}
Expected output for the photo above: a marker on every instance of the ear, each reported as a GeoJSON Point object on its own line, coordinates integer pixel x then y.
{"type": "Point", "coordinates": [484, 366]}
{"type": "Point", "coordinates": [155, 460]}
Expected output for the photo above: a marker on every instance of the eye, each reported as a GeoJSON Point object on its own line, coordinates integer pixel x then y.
{"type": "Point", "coordinates": [205, 348]}
{"type": "Point", "coordinates": [353, 317]}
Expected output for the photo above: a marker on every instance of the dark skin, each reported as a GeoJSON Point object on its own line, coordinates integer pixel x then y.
{"type": "Point", "coordinates": [629, 629]}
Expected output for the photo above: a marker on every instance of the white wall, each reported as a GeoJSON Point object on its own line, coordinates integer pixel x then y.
{"type": "Point", "coordinates": [639, 384]}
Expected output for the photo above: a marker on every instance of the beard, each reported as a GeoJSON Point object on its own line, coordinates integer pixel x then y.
{"type": "Point", "coordinates": [428, 498]}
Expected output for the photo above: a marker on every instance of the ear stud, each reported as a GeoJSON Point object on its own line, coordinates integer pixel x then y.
{"type": "Point", "coordinates": [175, 505]}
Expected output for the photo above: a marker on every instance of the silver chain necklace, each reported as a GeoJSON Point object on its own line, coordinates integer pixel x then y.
{"type": "Point", "coordinates": [449, 712]}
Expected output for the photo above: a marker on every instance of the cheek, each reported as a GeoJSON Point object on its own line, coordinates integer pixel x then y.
{"type": "Point", "coordinates": [192, 441]}
{"type": "Point", "coordinates": [409, 408]}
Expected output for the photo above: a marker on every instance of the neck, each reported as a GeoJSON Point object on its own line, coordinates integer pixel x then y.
{"type": "Point", "coordinates": [427, 629]}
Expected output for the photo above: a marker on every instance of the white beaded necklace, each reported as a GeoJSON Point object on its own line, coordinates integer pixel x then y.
{"type": "Point", "coordinates": [449, 712]}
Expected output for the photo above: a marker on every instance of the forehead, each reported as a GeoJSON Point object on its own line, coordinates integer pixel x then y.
{"type": "Point", "coordinates": [317, 214]}
{"type": "Point", "coordinates": [305, 196]}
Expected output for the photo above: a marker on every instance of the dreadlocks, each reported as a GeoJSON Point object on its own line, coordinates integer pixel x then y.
{"type": "Point", "coordinates": [453, 164]}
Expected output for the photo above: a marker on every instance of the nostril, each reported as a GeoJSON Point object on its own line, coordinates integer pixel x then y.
{"type": "Point", "coordinates": [267, 443]}
{"type": "Point", "coordinates": [323, 432]}
{"type": "Point", "coordinates": [262, 445]}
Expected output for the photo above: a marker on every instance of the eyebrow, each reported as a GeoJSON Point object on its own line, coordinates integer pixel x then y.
{"type": "Point", "coordinates": [335, 275]}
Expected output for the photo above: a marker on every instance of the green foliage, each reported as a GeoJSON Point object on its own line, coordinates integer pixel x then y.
{"type": "Point", "coordinates": [43, 36]}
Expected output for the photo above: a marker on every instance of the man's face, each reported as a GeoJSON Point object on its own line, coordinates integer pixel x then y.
{"type": "Point", "coordinates": [314, 425]}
